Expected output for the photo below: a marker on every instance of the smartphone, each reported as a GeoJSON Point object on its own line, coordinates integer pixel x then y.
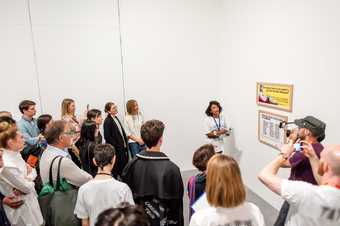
{"type": "Point", "coordinates": [298, 146]}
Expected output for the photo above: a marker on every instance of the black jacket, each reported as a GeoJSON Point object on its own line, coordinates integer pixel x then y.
{"type": "Point", "coordinates": [157, 185]}
{"type": "Point", "coordinates": [112, 135]}
{"type": "Point", "coordinates": [3, 218]}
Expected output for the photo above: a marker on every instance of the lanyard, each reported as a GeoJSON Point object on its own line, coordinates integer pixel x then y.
{"type": "Point", "coordinates": [219, 122]}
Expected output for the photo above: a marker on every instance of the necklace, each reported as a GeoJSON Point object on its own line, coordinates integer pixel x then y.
{"type": "Point", "coordinates": [108, 174]}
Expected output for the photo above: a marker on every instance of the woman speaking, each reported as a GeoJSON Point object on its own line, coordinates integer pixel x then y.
{"type": "Point", "coordinates": [215, 126]}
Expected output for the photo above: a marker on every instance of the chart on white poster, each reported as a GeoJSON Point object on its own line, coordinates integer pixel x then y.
{"type": "Point", "coordinates": [269, 131]}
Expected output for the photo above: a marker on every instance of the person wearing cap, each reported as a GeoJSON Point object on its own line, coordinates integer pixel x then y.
{"type": "Point", "coordinates": [310, 130]}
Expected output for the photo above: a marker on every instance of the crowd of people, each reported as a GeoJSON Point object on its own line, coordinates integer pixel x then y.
{"type": "Point", "coordinates": [65, 172]}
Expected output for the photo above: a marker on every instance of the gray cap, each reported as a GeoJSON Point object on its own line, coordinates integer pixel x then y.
{"type": "Point", "coordinates": [316, 126]}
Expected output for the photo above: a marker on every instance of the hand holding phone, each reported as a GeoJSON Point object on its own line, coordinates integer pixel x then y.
{"type": "Point", "coordinates": [298, 147]}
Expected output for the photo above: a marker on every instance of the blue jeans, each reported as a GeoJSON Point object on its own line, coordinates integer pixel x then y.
{"type": "Point", "coordinates": [135, 148]}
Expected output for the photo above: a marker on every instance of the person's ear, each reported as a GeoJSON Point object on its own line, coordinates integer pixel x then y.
{"type": "Point", "coordinates": [113, 161]}
{"type": "Point", "coordinates": [94, 162]}
{"type": "Point", "coordinates": [9, 143]}
{"type": "Point", "coordinates": [160, 141]}
{"type": "Point", "coordinates": [60, 138]}
{"type": "Point", "coordinates": [323, 167]}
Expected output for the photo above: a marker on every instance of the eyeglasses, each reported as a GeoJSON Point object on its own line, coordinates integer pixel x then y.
{"type": "Point", "coordinates": [71, 133]}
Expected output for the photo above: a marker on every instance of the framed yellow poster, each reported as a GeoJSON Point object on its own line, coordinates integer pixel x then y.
{"type": "Point", "coordinates": [278, 96]}
{"type": "Point", "coordinates": [269, 131]}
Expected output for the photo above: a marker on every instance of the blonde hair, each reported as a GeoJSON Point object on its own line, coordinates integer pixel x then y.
{"type": "Point", "coordinates": [65, 105]}
{"type": "Point", "coordinates": [7, 131]}
{"type": "Point", "coordinates": [224, 186]}
{"type": "Point", "coordinates": [129, 106]}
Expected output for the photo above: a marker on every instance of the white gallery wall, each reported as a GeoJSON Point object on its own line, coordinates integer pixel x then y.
{"type": "Point", "coordinates": [170, 60]}
{"type": "Point", "coordinates": [291, 42]}
{"type": "Point", "coordinates": [17, 68]}
{"type": "Point", "coordinates": [78, 53]}
{"type": "Point", "coordinates": [170, 57]}
{"type": "Point", "coordinates": [177, 55]}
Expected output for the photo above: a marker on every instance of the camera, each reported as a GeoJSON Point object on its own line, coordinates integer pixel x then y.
{"type": "Point", "coordinates": [284, 125]}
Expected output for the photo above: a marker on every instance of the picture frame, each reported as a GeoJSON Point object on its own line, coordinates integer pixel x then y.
{"type": "Point", "coordinates": [269, 132]}
{"type": "Point", "coordinates": [275, 95]}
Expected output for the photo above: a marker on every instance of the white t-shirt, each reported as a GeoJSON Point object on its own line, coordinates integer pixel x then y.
{"type": "Point", "coordinates": [311, 205]}
{"type": "Point", "coordinates": [211, 124]}
{"type": "Point", "coordinates": [98, 195]}
{"type": "Point", "coordinates": [246, 214]}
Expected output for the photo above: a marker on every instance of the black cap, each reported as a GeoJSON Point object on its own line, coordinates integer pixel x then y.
{"type": "Point", "coordinates": [316, 126]}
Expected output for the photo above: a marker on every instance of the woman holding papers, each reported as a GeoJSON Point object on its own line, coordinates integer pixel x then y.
{"type": "Point", "coordinates": [215, 126]}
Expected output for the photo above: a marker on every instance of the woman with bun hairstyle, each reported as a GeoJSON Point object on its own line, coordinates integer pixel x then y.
{"type": "Point", "coordinates": [16, 178]}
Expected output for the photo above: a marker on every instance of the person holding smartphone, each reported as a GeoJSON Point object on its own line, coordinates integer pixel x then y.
{"type": "Point", "coordinates": [310, 130]}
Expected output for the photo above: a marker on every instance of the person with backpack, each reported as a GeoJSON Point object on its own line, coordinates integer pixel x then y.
{"type": "Point", "coordinates": [196, 184]}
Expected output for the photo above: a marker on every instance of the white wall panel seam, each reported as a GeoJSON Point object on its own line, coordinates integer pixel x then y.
{"type": "Point", "coordinates": [35, 59]}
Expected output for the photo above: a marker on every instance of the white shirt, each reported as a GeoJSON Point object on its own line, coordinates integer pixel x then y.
{"type": "Point", "coordinates": [133, 124]}
{"type": "Point", "coordinates": [98, 195]}
{"type": "Point", "coordinates": [14, 175]}
{"type": "Point", "coordinates": [311, 205]}
{"type": "Point", "coordinates": [211, 124]}
{"type": "Point", "coordinates": [246, 214]}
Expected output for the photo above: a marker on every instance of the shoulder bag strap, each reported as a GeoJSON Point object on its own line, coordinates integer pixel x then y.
{"type": "Point", "coordinates": [192, 183]}
{"type": "Point", "coordinates": [50, 173]}
{"type": "Point", "coordinates": [58, 174]}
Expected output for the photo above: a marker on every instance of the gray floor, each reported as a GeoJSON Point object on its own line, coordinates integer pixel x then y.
{"type": "Point", "coordinates": [269, 212]}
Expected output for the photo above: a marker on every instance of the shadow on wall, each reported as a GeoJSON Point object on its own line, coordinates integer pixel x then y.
{"type": "Point", "coordinates": [230, 147]}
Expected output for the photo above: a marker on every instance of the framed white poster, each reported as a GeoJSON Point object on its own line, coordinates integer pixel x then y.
{"type": "Point", "coordinates": [269, 131]}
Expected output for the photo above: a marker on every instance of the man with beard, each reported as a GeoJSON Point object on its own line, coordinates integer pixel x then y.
{"type": "Point", "coordinates": [312, 131]}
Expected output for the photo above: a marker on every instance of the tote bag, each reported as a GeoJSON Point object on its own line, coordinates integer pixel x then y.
{"type": "Point", "coordinates": [57, 202]}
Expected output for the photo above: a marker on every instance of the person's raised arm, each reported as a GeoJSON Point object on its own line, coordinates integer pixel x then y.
{"type": "Point", "coordinates": [268, 175]}
{"type": "Point", "coordinates": [309, 152]}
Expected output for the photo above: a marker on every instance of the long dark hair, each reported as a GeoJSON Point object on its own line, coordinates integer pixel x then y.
{"type": "Point", "coordinates": [87, 132]}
